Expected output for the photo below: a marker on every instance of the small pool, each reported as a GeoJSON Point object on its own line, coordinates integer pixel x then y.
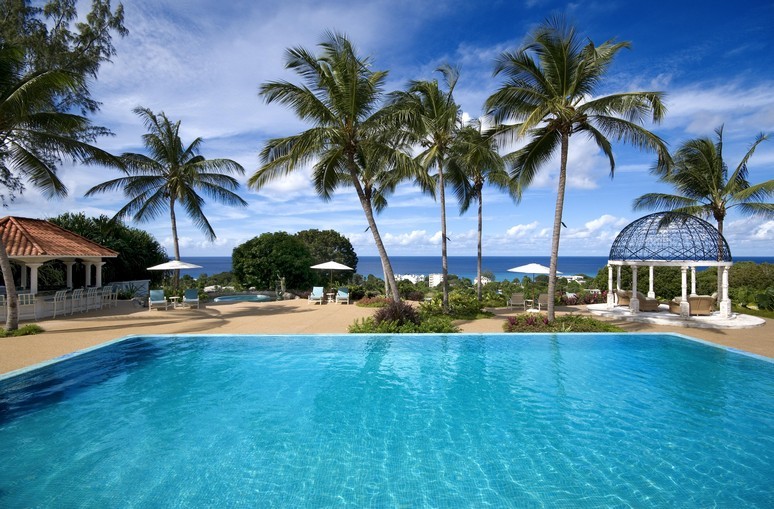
{"type": "Point", "coordinates": [569, 420]}
{"type": "Point", "coordinates": [243, 298]}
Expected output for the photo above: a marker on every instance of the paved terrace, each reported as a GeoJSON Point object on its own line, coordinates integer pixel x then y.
{"type": "Point", "coordinates": [73, 333]}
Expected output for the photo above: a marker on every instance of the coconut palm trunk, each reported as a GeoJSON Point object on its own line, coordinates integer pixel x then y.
{"type": "Point", "coordinates": [480, 235]}
{"type": "Point", "coordinates": [444, 257]}
{"type": "Point", "coordinates": [176, 241]}
{"type": "Point", "coordinates": [557, 224]}
{"type": "Point", "coordinates": [11, 300]}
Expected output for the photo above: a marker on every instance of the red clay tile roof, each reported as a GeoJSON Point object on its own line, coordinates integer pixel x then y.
{"type": "Point", "coordinates": [23, 236]}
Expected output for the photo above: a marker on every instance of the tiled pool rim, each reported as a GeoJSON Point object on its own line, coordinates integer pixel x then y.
{"type": "Point", "coordinates": [61, 358]}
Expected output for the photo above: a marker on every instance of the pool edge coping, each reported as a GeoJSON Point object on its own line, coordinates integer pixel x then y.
{"type": "Point", "coordinates": [64, 357]}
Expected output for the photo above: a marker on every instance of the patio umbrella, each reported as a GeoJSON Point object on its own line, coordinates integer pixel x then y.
{"type": "Point", "coordinates": [532, 268]}
{"type": "Point", "coordinates": [175, 265]}
{"type": "Point", "coordinates": [331, 266]}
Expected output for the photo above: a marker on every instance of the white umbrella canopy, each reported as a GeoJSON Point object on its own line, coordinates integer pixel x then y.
{"type": "Point", "coordinates": [175, 265]}
{"type": "Point", "coordinates": [532, 268]}
{"type": "Point", "coordinates": [331, 266]}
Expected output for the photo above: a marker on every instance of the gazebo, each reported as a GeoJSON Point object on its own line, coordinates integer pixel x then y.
{"type": "Point", "coordinates": [32, 242]}
{"type": "Point", "coordinates": [669, 239]}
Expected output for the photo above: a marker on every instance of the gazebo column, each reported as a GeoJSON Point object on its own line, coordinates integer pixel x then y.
{"type": "Point", "coordinates": [33, 277]}
{"type": "Point", "coordinates": [69, 266]}
{"type": "Point", "coordinates": [725, 303]}
{"type": "Point", "coordinates": [88, 266]}
{"type": "Point", "coordinates": [23, 272]}
{"type": "Point", "coordinates": [685, 307]}
{"type": "Point", "coordinates": [634, 302]}
{"type": "Point", "coordinates": [618, 282]}
{"type": "Point", "coordinates": [99, 266]}
{"type": "Point", "coordinates": [610, 294]}
{"type": "Point", "coordinates": [693, 281]}
{"type": "Point", "coordinates": [651, 293]}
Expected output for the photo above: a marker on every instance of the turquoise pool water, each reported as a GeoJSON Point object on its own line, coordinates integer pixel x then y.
{"type": "Point", "coordinates": [380, 421]}
{"type": "Point", "coordinates": [243, 298]}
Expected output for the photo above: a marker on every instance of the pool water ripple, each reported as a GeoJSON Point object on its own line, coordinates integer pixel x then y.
{"type": "Point", "coordinates": [413, 421]}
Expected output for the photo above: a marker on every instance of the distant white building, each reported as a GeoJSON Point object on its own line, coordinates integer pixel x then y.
{"type": "Point", "coordinates": [435, 280]}
{"type": "Point", "coordinates": [414, 278]}
{"type": "Point", "coordinates": [484, 280]}
{"type": "Point", "coordinates": [578, 279]}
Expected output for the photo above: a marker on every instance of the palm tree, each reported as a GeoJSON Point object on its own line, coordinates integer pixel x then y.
{"type": "Point", "coordinates": [34, 138]}
{"type": "Point", "coordinates": [432, 119]}
{"type": "Point", "coordinates": [172, 174]}
{"type": "Point", "coordinates": [475, 161]}
{"type": "Point", "coordinates": [548, 93]}
{"type": "Point", "coordinates": [350, 141]}
{"type": "Point", "coordinates": [700, 178]}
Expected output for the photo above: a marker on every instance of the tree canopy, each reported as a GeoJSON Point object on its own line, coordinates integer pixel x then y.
{"type": "Point", "coordinates": [261, 261]}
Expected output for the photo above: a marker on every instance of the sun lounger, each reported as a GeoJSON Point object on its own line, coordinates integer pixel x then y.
{"type": "Point", "coordinates": [191, 296]}
{"type": "Point", "coordinates": [542, 301]}
{"type": "Point", "coordinates": [517, 300]}
{"type": "Point", "coordinates": [156, 298]}
{"type": "Point", "coordinates": [342, 295]}
{"type": "Point", "coordinates": [317, 295]}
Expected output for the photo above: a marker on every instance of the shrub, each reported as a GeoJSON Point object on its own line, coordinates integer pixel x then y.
{"type": "Point", "coordinates": [398, 312]}
{"type": "Point", "coordinates": [373, 302]}
{"type": "Point", "coordinates": [463, 305]}
{"type": "Point", "coordinates": [765, 300]}
{"type": "Point", "coordinates": [532, 322]}
{"type": "Point", "coordinates": [27, 330]}
{"type": "Point", "coordinates": [434, 324]}
{"type": "Point", "coordinates": [416, 296]}
{"type": "Point", "coordinates": [356, 292]}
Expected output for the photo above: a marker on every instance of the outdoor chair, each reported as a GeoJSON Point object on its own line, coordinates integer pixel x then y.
{"type": "Point", "coordinates": [317, 295]}
{"type": "Point", "coordinates": [191, 297]}
{"type": "Point", "coordinates": [646, 303]}
{"type": "Point", "coordinates": [542, 301]}
{"type": "Point", "coordinates": [93, 298]}
{"type": "Point", "coordinates": [701, 305]}
{"type": "Point", "coordinates": [156, 298]}
{"type": "Point", "coordinates": [674, 305]}
{"type": "Point", "coordinates": [77, 301]}
{"type": "Point", "coordinates": [624, 297]}
{"type": "Point", "coordinates": [342, 295]}
{"type": "Point", "coordinates": [27, 306]}
{"type": "Point", "coordinates": [108, 296]}
{"type": "Point", "coordinates": [517, 300]}
{"type": "Point", "coordinates": [60, 301]}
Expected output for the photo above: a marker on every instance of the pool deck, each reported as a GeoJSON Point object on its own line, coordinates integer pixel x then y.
{"type": "Point", "coordinates": [72, 333]}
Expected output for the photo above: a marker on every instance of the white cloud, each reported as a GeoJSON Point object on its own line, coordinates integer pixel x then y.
{"type": "Point", "coordinates": [521, 230]}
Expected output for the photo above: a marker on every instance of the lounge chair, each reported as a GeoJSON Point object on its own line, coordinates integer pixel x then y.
{"type": "Point", "coordinates": [702, 305]}
{"type": "Point", "coordinates": [317, 295]}
{"type": "Point", "coordinates": [517, 300]}
{"type": "Point", "coordinates": [646, 303]}
{"type": "Point", "coordinates": [542, 301]}
{"type": "Point", "coordinates": [77, 301]}
{"type": "Point", "coordinates": [191, 296]}
{"type": "Point", "coordinates": [60, 301]}
{"type": "Point", "coordinates": [93, 298]}
{"type": "Point", "coordinates": [342, 295]}
{"type": "Point", "coordinates": [27, 306]}
{"type": "Point", "coordinates": [624, 297]}
{"type": "Point", "coordinates": [156, 298]}
{"type": "Point", "coordinates": [674, 305]}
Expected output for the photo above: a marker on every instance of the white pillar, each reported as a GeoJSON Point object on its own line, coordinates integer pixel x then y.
{"type": "Point", "coordinates": [617, 282]}
{"type": "Point", "coordinates": [99, 266]}
{"type": "Point", "coordinates": [69, 266]}
{"type": "Point", "coordinates": [23, 275]}
{"type": "Point", "coordinates": [685, 308]}
{"type": "Point", "coordinates": [725, 303]}
{"type": "Point", "coordinates": [634, 302]}
{"type": "Point", "coordinates": [610, 294]}
{"type": "Point", "coordinates": [33, 277]}
{"type": "Point", "coordinates": [88, 273]}
{"type": "Point", "coordinates": [651, 293]}
{"type": "Point", "coordinates": [693, 281]}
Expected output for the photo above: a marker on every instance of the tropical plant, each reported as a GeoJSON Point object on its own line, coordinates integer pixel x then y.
{"type": "Point", "coordinates": [475, 162]}
{"type": "Point", "coordinates": [172, 174]}
{"type": "Point", "coordinates": [262, 260]}
{"type": "Point", "coordinates": [327, 245]}
{"type": "Point", "coordinates": [432, 119]}
{"type": "Point", "coordinates": [548, 95]}
{"type": "Point", "coordinates": [350, 140]}
{"type": "Point", "coordinates": [704, 188]}
{"type": "Point", "coordinates": [34, 138]}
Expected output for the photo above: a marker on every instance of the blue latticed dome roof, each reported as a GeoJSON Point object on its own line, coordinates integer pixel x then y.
{"type": "Point", "coordinates": [668, 237]}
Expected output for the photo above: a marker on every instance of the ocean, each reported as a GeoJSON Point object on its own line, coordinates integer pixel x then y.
{"type": "Point", "coordinates": [462, 266]}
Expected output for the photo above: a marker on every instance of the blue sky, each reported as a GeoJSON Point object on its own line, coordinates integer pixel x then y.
{"type": "Point", "coordinates": [202, 61]}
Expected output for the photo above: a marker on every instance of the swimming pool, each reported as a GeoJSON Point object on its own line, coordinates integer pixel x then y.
{"type": "Point", "coordinates": [569, 420]}
{"type": "Point", "coordinates": [243, 298]}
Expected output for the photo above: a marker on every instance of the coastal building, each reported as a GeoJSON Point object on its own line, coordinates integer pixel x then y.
{"type": "Point", "coordinates": [435, 280]}
{"type": "Point", "coordinates": [414, 278]}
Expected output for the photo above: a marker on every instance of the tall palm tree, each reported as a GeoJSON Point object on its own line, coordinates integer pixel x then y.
{"type": "Point", "coordinates": [172, 173]}
{"type": "Point", "coordinates": [704, 188]}
{"type": "Point", "coordinates": [549, 95]}
{"type": "Point", "coordinates": [432, 119]}
{"type": "Point", "coordinates": [350, 142]}
{"type": "Point", "coordinates": [474, 162]}
{"type": "Point", "coordinates": [34, 138]}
